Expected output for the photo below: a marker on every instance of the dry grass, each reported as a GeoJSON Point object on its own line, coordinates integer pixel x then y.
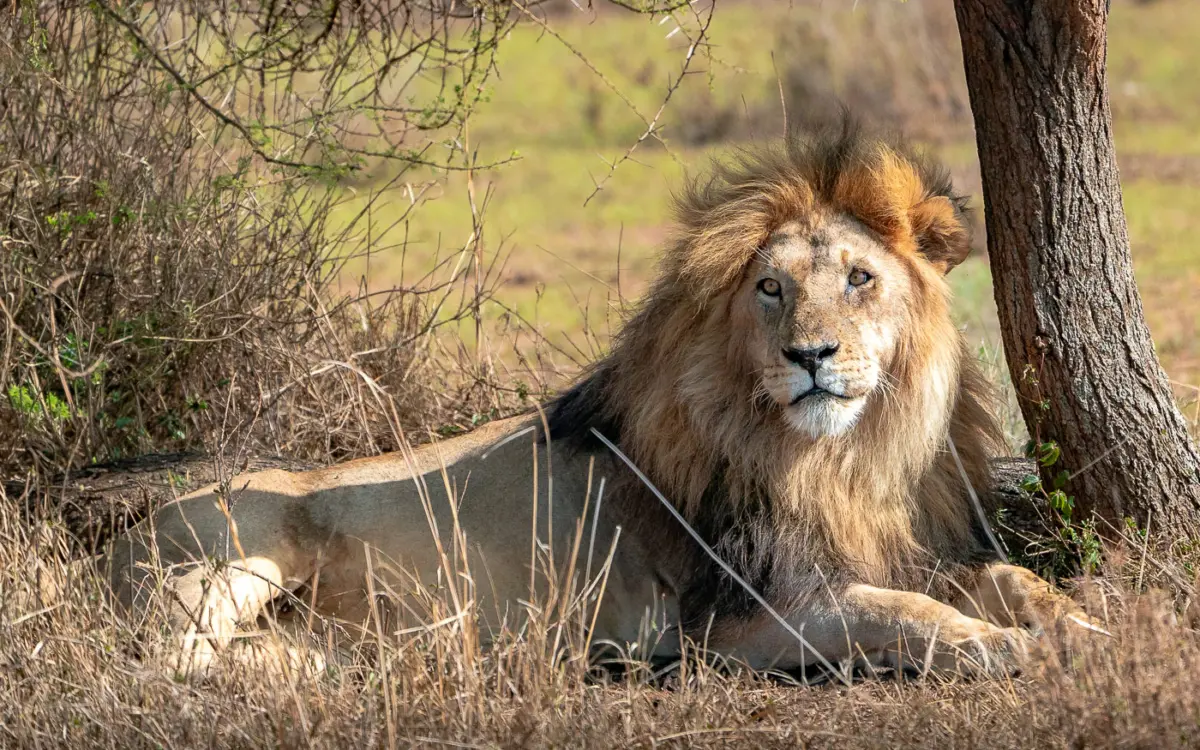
{"type": "Point", "coordinates": [160, 292]}
{"type": "Point", "coordinates": [70, 676]}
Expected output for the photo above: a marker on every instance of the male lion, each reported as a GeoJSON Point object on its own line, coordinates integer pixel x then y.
{"type": "Point", "coordinates": [792, 383]}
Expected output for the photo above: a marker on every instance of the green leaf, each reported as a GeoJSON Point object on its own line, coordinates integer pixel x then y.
{"type": "Point", "coordinates": [1060, 479]}
{"type": "Point", "coordinates": [57, 407]}
{"type": "Point", "coordinates": [1031, 483]}
{"type": "Point", "coordinates": [1048, 453]}
{"type": "Point", "coordinates": [21, 399]}
{"type": "Point", "coordinates": [1062, 502]}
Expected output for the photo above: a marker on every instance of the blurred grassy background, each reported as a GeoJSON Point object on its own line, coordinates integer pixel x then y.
{"type": "Point", "coordinates": [569, 259]}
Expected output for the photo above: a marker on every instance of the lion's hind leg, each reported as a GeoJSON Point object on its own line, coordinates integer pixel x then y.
{"type": "Point", "coordinates": [1009, 595]}
{"type": "Point", "coordinates": [206, 604]}
{"type": "Point", "coordinates": [205, 567]}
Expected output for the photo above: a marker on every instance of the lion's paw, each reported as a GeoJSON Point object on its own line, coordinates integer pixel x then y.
{"type": "Point", "coordinates": [1003, 652]}
{"type": "Point", "coordinates": [198, 659]}
{"type": "Point", "coordinates": [187, 659]}
{"type": "Point", "coordinates": [984, 651]}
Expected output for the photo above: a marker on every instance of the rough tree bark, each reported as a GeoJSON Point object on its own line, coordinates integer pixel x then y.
{"type": "Point", "coordinates": [1077, 345]}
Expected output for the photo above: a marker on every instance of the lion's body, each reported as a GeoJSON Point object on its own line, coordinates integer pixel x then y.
{"type": "Point", "coordinates": [793, 383]}
{"type": "Point", "coordinates": [289, 526]}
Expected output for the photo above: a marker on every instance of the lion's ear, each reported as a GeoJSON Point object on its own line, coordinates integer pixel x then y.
{"type": "Point", "coordinates": [940, 229]}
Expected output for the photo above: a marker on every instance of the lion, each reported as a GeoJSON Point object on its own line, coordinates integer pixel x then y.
{"type": "Point", "coordinates": [792, 386]}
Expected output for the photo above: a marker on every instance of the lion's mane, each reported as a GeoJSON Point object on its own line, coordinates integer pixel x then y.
{"type": "Point", "coordinates": [885, 503]}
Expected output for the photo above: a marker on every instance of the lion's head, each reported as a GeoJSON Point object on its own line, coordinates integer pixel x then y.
{"type": "Point", "coordinates": [819, 314]}
{"type": "Point", "coordinates": [798, 347]}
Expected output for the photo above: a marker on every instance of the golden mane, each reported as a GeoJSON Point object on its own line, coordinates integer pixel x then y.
{"type": "Point", "coordinates": [883, 503]}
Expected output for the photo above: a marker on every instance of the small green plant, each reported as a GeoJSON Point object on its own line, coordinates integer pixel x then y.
{"type": "Point", "coordinates": [1078, 544]}
{"type": "Point", "coordinates": [66, 222]}
{"type": "Point", "coordinates": [177, 481]}
{"type": "Point", "coordinates": [478, 419]}
{"type": "Point", "coordinates": [24, 400]}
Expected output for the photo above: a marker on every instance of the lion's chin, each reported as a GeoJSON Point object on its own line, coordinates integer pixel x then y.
{"type": "Point", "coordinates": [821, 416]}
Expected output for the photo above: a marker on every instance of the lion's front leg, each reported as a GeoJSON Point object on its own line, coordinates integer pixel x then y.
{"type": "Point", "coordinates": [1009, 595]}
{"type": "Point", "coordinates": [906, 630]}
{"type": "Point", "coordinates": [885, 628]}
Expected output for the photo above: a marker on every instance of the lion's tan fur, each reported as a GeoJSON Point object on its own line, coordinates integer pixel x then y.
{"type": "Point", "coordinates": [838, 530]}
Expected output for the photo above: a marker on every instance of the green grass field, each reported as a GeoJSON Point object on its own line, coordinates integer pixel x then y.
{"type": "Point", "coordinates": [566, 126]}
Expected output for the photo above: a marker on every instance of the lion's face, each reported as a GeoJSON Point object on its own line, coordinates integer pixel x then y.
{"type": "Point", "coordinates": [824, 305]}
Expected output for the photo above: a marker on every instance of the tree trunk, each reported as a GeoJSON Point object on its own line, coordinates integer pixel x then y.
{"type": "Point", "coordinates": [1077, 345]}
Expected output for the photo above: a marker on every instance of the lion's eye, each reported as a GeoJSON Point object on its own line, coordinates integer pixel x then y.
{"type": "Point", "coordinates": [769, 287]}
{"type": "Point", "coordinates": [859, 277]}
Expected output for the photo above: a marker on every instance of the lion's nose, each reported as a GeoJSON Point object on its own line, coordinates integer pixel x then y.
{"type": "Point", "coordinates": [811, 357]}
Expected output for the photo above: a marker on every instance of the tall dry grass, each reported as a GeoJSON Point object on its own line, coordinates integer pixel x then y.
{"type": "Point", "coordinates": [70, 677]}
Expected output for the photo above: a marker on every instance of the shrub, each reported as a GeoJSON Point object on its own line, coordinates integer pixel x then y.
{"type": "Point", "coordinates": [170, 274]}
